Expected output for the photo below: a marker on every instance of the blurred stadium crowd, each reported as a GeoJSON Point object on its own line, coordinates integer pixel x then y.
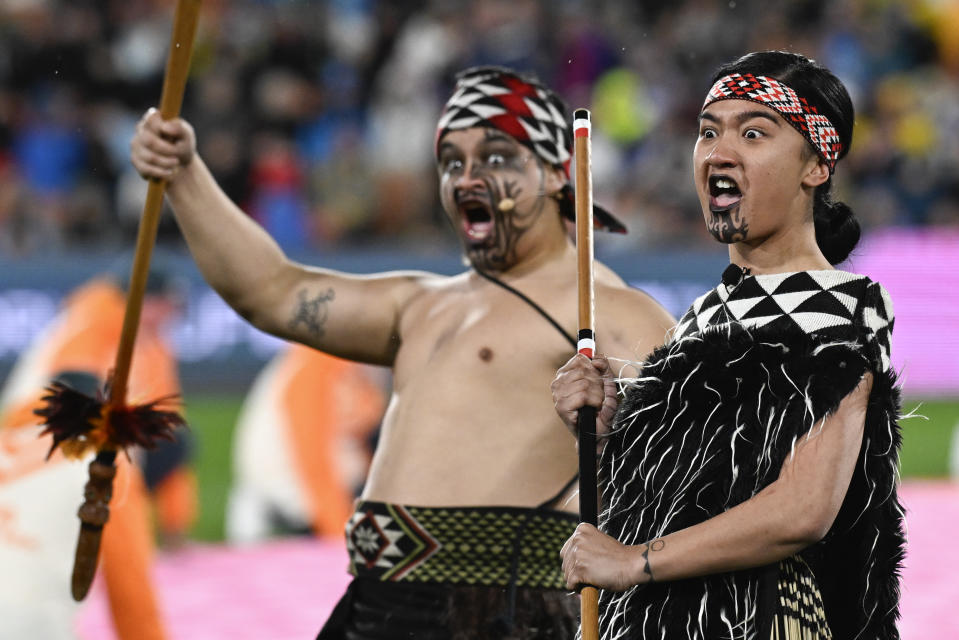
{"type": "Point", "coordinates": [318, 117]}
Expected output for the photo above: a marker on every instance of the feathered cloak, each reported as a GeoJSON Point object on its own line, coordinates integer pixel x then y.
{"type": "Point", "coordinates": [708, 425]}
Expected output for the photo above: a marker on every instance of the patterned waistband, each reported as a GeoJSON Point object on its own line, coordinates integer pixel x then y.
{"type": "Point", "coordinates": [458, 545]}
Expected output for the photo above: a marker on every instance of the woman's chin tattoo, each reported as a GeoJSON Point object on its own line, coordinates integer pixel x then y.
{"type": "Point", "coordinates": [728, 227]}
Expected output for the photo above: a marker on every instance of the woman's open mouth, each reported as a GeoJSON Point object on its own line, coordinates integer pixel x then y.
{"type": "Point", "coordinates": [724, 194]}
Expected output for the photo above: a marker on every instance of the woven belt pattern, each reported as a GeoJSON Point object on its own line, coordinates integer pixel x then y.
{"type": "Point", "coordinates": [458, 545]}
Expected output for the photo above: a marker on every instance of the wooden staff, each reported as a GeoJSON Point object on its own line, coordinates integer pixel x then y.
{"type": "Point", "coordinates": [586, 418]}
{"type": "Point", "coordinates": [95, 510]}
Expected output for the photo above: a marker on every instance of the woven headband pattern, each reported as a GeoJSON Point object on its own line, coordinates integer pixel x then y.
{"type": "Point", "coordinates": [815, 127]}
{"type": "Point", "coordinates": [531, 114]}
{"type": "Point", "coordinates": [518, 108]}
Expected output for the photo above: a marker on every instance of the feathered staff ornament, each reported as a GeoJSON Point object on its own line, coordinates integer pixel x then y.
{"type": "Point", "coordinates": [107, 424]}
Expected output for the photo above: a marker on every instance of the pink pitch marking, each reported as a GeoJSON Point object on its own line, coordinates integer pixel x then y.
{"type": "Point", "coordinates": [286, 589]}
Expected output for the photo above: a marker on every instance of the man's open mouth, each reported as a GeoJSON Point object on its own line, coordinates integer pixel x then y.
{"type": "Point", "coordinates": [477, 220]}
{"type": "Point", "coordinates": [724, 194]}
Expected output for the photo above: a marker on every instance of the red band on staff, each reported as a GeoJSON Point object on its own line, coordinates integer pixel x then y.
{"type": "Point", "coordinates": [586, 344]}
{"type": "Point", "coordinates": [581, 133]}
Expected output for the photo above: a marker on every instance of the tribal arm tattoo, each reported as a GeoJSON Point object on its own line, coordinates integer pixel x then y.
{"type": "Point", "coordinates": [312, 313]}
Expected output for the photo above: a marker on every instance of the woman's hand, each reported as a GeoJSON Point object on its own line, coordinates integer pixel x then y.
{"type": "Point", "coordinates": [160, 147]}
{"type": "Point", "coordinates": [592, 557]}
{"type": "Point", "coordinates": [583, 382]}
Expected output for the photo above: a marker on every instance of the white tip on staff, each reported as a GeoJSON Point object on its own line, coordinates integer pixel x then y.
{"type": "Point", "coordinates": [586, 421]}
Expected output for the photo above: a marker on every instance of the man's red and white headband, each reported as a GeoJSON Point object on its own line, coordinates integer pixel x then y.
{"type": "Point", "coordinates": [492, 97]}
{"type": "Point", "coordinates": [529, 112]}
{"type": "Point", "coordinates": [806, 119]}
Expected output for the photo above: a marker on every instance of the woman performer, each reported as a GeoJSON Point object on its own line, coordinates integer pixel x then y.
{"type": "Point", "coordinates": [750, 469]}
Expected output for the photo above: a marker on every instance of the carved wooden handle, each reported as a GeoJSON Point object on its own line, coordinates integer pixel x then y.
{"type": "Point", "coordinates": [93, 514]}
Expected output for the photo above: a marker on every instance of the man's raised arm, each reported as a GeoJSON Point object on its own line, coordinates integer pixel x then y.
{"type": "Point", "coordinates": [345, 315]}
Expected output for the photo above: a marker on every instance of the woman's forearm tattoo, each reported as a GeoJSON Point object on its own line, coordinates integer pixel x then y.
{"type": "Point", "coordinates": [655, 545]}
{"type": "Point", "coordinates": [312, 313]}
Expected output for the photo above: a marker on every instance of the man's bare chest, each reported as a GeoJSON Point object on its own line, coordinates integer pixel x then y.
{"type": "Point", "coordinates": [483, 336]}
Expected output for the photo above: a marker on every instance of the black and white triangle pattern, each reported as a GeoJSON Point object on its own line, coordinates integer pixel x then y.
{"type": "Point", "coordinates": [815, 302]}
{"type": "Point", "coordinates": [525, 111]}
{"type": "Point", "coordinates": [878, 319]}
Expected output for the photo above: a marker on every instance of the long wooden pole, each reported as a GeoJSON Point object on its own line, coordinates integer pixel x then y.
{"type": "Point", "coordinates": [171, 99]}
{"type": "Point", "coordinates": [95, 512]}
{"type": "Point", "coordinates": [586, 420]}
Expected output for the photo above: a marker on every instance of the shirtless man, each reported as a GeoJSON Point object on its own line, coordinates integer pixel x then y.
{"type": "Point", "coordinates": [470, 424]}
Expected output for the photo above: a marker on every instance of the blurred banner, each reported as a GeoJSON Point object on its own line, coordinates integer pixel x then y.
{"type": "Point", "coordinates": [920, 269]}
{"type": "Point", "coordinates": [217, 349]}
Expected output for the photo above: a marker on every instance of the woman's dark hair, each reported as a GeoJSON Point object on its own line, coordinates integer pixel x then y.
{"type": "Point", "coordinates": [837, 231]}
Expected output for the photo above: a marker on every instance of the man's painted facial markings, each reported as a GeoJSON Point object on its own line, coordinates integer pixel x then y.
{"type": "Point", "coordinates": [485, 195]}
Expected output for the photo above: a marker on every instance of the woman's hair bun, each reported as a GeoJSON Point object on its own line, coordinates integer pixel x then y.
{"type": "Point", "coordinates": [837, 230]}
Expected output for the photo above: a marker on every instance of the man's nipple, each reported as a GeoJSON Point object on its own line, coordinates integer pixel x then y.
{"type": "Point", "coordinates": [486, 354]}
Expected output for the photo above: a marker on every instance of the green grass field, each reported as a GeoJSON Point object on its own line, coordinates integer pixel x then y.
{"type": "Point", "coordinates": [212, 418]}
{"type": "Point", "coordinates": [925, 452]}
{"type": "Point", "coordinates": [927, 441]}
